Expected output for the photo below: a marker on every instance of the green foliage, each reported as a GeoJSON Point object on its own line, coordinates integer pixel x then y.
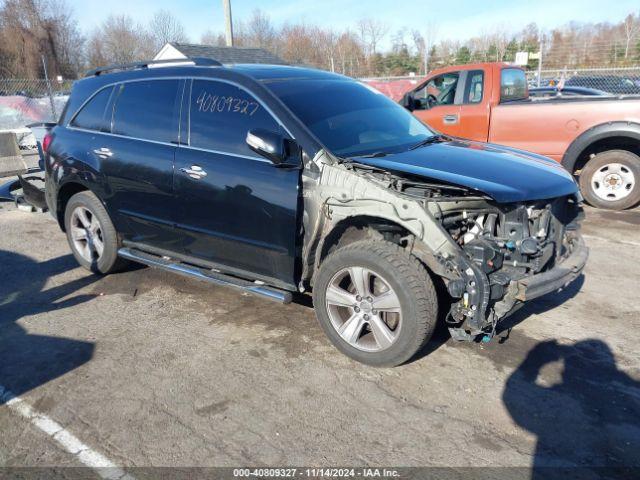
{"type": "Point", "coordinates": [463, 55]}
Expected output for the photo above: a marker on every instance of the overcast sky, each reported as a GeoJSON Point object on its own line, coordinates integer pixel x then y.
{"type": "Point", "coordinates": [459, 19]}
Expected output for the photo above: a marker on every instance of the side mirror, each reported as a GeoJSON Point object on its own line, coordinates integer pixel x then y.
{"type": "Point", "coordinates": [408, 102]}
{"type": "Point", "coordinates": [270, 145]}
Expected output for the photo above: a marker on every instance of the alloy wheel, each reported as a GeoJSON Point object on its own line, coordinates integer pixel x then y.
{"type": "Point", "coordinates": [364, 309]}
{"type": "Point", "coordinates": [86, 234]}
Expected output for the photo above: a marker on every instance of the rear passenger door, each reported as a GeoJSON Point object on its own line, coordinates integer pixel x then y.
{"type": "Point", "coordinates": [234, 208]}
{"type": "Point", "coordinates": [137, 159]}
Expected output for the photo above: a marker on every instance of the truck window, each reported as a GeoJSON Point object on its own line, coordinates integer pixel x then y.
{"type": "Point", "coordinates": [222, 114]}
{"type": "Point", "coordinates": [440, 90]}
{"type": "Point", "coordinates": [91, 116]}
{"type": "Point", "coordinates": [513, 85]}
{"type": "Point", "coordinates": [148, 110]}
{"type": "Point", "coordinates": [475, 86]}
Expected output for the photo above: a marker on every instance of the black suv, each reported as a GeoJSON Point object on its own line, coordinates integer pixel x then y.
{"type": "Point", "coordinates": [277, 179]}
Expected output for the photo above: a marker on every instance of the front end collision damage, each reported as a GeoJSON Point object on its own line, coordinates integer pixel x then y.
{"type": "Point", "coordinates": [491, 257]}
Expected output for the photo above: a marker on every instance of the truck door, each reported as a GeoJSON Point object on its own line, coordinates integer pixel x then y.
{"type": "Point", "coordinates": [435, 103]}
{"type": "Point", "coordinates": [234, 208]}
{"type": "Point", "coordinates": [474, 110]}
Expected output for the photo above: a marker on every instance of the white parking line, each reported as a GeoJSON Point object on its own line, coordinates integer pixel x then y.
{"type": "Point", "coordinates": [83, 453]}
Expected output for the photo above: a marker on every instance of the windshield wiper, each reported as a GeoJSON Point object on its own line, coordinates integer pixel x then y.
{"type": "Point", "coordinates": [428, 141]}
{"type": "Point", "coordinates": [372, 155]}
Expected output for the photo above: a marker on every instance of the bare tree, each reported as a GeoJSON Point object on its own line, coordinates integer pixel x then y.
{"type": "Point", "coordinates": [164, 28]}
{"type": "Point", "coordinates": [424, 44]}
{"type": "Point", "coordinates": [260, 32]}
{"type": "Point", "coordinates": [631, 26]}
{"type": "Point", "coordinates": [120, 40]}
{"type": "Point", "coordinates": [215, 39]}
{"type": "Point", "coordinates": [32, 28]}
{"type": "Point", "coordinates": [371, 33]}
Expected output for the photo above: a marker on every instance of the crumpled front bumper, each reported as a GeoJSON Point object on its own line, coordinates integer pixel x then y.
{"type": "Point", "coordinates": [555, 279]}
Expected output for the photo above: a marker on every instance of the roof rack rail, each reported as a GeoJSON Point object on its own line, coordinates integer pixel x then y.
{"type": "Point", "coordinates": [198, 61]}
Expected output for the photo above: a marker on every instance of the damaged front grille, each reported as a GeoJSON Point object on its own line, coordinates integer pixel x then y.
{"type": "Point", "coordinates": [506, 243]}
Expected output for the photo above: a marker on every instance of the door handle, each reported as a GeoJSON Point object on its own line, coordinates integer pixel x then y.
{"type": "Point", "coordinates": [195, 172]}
{"type": "Point", "coordinates": [103, 152]}
{"type": "Point", "coordinates": [450, 119]}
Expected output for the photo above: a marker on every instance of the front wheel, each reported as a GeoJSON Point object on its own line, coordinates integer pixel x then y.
{"type": "Point", "coordinates": [376, 303]}
{"type": "Point", "coordinates": [611, 180]}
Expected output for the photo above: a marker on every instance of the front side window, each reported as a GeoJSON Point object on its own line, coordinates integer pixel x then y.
{"type": "Point", "coordinates": [92, 115]}
{"type": "Point", "coordinates": [350, 118]}
{"type": "Point", "coordinates": [221, 116]}
{"type": "Point", "coordinates": [440, 90]}
{"type": "Point", "coordinates": [513, 85]}
{"type": "Point", "coordinates": [148, 110]}
{"type": "Point", "coordinates": [475, 86]}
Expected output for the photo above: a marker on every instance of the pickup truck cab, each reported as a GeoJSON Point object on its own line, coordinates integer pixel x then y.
{"type": "Point", "coordinates": [276, 180]}
{"type": "Point", "coordinates": [596, 138]}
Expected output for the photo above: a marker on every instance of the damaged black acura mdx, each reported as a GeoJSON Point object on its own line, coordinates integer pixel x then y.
{"type": "Point", "coordinates": [277, 179]}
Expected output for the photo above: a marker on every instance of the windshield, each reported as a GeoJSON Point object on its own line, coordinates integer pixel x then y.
{"type": "Point", "coordinates": [350, 118]}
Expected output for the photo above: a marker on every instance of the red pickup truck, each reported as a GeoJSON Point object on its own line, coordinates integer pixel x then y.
{"type": "Point", "coordinates": [595, 138]}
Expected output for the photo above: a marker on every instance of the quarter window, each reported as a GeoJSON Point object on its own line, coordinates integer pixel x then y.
{"type": "Point", "coordinates": [148, 110]}
{"type": "Point", "coordinates": [222, 114]}
{"type": "Point", "coordinates": [92, 115]}
{"type": "Point", "coordinates": [475, 86]}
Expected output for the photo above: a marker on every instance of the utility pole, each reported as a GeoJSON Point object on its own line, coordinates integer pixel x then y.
{"type": "Point", "coordinates": [426, 61]}
{"type": "Point", "coordinates": [540, 59]}
{"type": "Point", "coordinates": [46, 79]}
{"type": "Point", "coordinates": [228, 22]}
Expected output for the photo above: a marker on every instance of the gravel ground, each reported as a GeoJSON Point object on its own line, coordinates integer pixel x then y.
{"type": "Point", "coordinates": [153, 369]}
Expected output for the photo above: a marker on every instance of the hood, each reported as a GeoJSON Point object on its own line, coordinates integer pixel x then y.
{"type": "Point", "coordinates": [503, 173]}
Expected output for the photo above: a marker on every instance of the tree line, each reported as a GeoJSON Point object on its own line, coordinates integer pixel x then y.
{"type": "Point", "coordinates": [33, 29]}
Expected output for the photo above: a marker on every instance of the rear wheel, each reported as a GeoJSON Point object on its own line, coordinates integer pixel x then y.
{"type": "Point", "coordinates": [376, 303]}
{"type": "Point", "coordinates": [611, 180]}
{"type": "Point", "coordinates": [91, 234]}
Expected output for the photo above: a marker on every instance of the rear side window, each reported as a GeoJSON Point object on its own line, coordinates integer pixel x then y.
{"type": "Point", "coordinates": [148, 110]}
{"type": "Point", "coordinates": [92, 116]}
{"type": "Point", "coordinates": [513, 84]}
{"type": "Point", "coordinates": [475, 86]}
{"type": "Point", "coordinates": [222, 114]}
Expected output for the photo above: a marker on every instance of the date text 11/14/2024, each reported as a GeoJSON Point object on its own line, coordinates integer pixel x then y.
{"type": "Point", "coordinates": [316, 472]}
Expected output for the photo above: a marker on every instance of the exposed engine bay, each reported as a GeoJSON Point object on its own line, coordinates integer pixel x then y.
{"type": "Point", "coordinates": [491, 256]}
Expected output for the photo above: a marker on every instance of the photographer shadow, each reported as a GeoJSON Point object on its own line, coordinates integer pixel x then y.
{"type": "Point", "coordinates": [28, 360]}
{"type": "Point", "coordinates": [584, 411]}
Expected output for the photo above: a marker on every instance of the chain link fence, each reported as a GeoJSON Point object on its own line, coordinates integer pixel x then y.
{"type": "Point", "coordinates": [612, 80]}
{"type": "Point", "coordinates": [27, 101]}
{"type": "Point", "coordinates": [618, 81]}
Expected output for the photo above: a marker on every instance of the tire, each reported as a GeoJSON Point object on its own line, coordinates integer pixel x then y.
{"type": "Point", "coordinates": [618, 166]}
{"type": "Point", "coordinates": [105, 262]}
{"type": "Point", "coordinates": [392, 267]}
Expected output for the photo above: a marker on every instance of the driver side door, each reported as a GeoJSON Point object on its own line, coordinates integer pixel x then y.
{"type": "Point", "coordinates": [437, 103]}
{"type": "Point", "coordinates": [234, 209]}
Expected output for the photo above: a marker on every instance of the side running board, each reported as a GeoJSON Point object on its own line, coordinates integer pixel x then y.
{"type": "Point", "coordinates": [203, 274]}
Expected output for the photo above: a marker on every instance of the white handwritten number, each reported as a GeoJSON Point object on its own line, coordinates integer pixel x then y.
{"type": "Point", "coordinates": [215, 104]}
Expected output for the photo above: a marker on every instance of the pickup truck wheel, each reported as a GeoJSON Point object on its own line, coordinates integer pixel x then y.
{"type": "Point", "coordinates": [611, 180]}
{"type": "Point", "coordinates": [91, 234]}
{"type": "Point", "coordinates": [376, 303]}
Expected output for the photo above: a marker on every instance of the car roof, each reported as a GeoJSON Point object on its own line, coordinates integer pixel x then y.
{"type": "Point", "coordinates": [258, 72]}
{"type": "Point", "coordinates": [263, 72]}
